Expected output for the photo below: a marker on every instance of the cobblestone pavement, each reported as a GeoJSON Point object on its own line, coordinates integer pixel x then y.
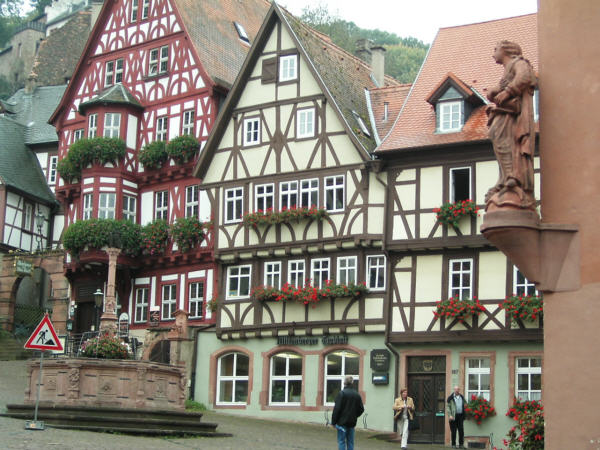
{"type": "Point", "coordinates": [248, 433]}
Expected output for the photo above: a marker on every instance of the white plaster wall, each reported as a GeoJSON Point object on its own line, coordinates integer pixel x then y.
{"type": "Point", "coordinates": [492, 275]}
{"type": "Point", "coordinates": [429, 278]}
{"type": "Point", "coordinates": [431, 182]}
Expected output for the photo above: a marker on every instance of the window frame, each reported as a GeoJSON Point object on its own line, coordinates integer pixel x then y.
{"type": "Point", "coordinates": [197, 301]}
{"type": "Point", "coordinates": [294, 272]}
{"type": "Point", "coordinates": [109, 73]}
{"type": "Point", "coordinates": [161, 209]}
{"type": "Point", "coordinates": [302, 129]}
{"type": "Point", "coordinates": [52, 172]}
{"type": "Point", "coordinates": [346, 269]}
{"type": "Point", "coordinates": [289, 73]}
{"type": "Point", "coordinates": [239, 276]}
{"type": "Point", "coordinates": [192, 207]}
{"type": "Point", "coordinates": [158, 61]}
{"type": "Point", "coordinates": [443, 107]}
{"type": "Point", "coordinates": [105, 210]}
{"type": "Point", "coordinates": [377, 267]}
{"type": "Point", "coordinates": [87, 206]}
{"type": "Point", "coordinates": [93, 125]}
{"type": "Point", "coordinates": [188, 124]}
{"type": "Point", "coordinates": [452, 183]}
{"type": "Point", "coordinates": [145, 9]}
{"type": "Point", "coordinates": [272, 272]}
{"type": "Point", "coordinates": [264, 197]}
{"type": "Point", "coordinates": [171, 302]}
{"type": "Point", "coordinates": [286, 193]}
{"type": "Point", "coordinates": [461, 272]}
{"type": "Point", "coordinates": [134, 11]}
{"type": "Point", "coordinates": [287, 378]}
{"type": "Point", "coordinates": [128, 212]}
{"type": "Point", "coordinates": [255, 132]}
{"type": "Point", "coordinates": [78, 134]}
{"type": "Point", "coordinates": [233, 378]}
{"type": "Point", "coordinates": [237, 201]}
{"type": "Point", "coordinates": [529, 371]}
{"type": "Point", "coordinates": [334, 191]}
{"type": "Point", "coordinates": [27, 217]}
{"type": "Point", "coordinates": [162, 128]}
{"type": "Point", "coordinates": [478, 372]}
{"type": "Point", "coordinates": [527, 285]}
{"type": "Point", "coordinates": [110, 128]}
{"type": "Point", "coordinates": [141, 306]}
{"type": "Point", "coordinates": [310, 191]}
{"type": "Point", "coordinates": [314, 270]}
{"type": "Point", "coordinates": [327, 377]}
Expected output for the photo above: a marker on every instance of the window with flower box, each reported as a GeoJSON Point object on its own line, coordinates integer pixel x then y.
{"type": "Point", "coordinates": [141, 305]}
{"type": "Point", "coordinates": [158, 61]}
{"type": "Point", "coordinates": [288, 194]}
{"type": "Point", "coordinates": [192, 203]}
{"type": "Point", "coordinates": [112, 125]}
{"type": "Point", "coordinates": [196, 299]}
{"type": "Point", "coordinates": [273, 274]}
{"type": "Point", "coordinates": [187, 126]}
{"type": "Point", "coordinates": [460, 184]}
{"type": "Point", "coordinates": [285, 387]}
{"type": "Point", "coordinates": [296, 272]}
{"type": "Point", "coordinates": [338, 365]}
{"type": "Point", "coordinates": [232, 379]}
{"type": "Point", "coordinates": [319, 271]}
{"type": "Point", "coordinates": [334, 193]}
{"type": "Point", "coordinates": [234, 205]}
{"type": "Point", "coordinates": [238, 281]}
{"type": "Point", "coordinates": [106, 205]}
{"type": "Point", "coordinates": [529, 378]}
{"type": "Point", "coordinates": [162, 124]}
{"type": "Point", "coordinates": [477, 377]}
{"type": "Point", "coordinates": [93, 125]}
{"type": "Point", "coordinates": [309, 192]}
{"type": "Point", "coordinates": [346, 270]}
{"type": "Point", "coordinates": [460, 278]}
{"type": "Point", "coordinates": [264, 197]}
{"type": "Point", "coordinates": [169, 301]}
{"type": "Point", "coordinates": [161, 205]}
{"type": "Point", "coordinates": [88, 206]}
{"type": "Point", "coordinates": [376, 272]}
{"type": "Point", "coordinates": [251, 131]}
{"type": "Point", "coordinates": [521, 285]}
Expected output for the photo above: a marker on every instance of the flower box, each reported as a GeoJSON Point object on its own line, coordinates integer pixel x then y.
{"type": "Point", "coordinates": [479, 409]}
{"type": "Point", "coordinates": [524, 307]}
{"type": "Point", "coordinates": [308, 295]}
{"type": "Point", "coordinates": [455, 308]}
{"type": "Point", "coordinates": [286, 215]}
{"type": "Point", "coordinates": [450, 213]}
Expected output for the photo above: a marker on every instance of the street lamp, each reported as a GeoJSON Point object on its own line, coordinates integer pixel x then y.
{"type": "Point", "coordinates": [99, 300]}
{"type": "Point", "coordinates": [39, 223]}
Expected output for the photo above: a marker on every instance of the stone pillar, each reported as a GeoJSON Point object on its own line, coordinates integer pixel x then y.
{"type": "Point", "coordinates": [108, 321]}
{"type": "Point", "coordinates": [569, 33]}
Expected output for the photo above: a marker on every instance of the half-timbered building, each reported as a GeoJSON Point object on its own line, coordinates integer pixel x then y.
{"type": "Point", "coordinates": [438, 152]}
{"type": "Point", "coordinates": [299, 216]}
{"type": "Point", "coordinates": [152, 70]}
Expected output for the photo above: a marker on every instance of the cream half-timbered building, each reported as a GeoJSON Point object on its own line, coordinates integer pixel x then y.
{"type": "Point", "coordinates": [295, 132]}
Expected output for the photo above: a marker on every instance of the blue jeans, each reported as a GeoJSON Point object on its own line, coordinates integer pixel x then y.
{"type": "Point", "coordinates": [345, 438]}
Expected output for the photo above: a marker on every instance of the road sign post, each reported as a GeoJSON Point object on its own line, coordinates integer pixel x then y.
{"type": "Point", "coordinates": [43, 338]}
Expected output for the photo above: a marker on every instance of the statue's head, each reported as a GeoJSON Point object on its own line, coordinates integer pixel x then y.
{"type": "Point", "coordinates": [509, 48]}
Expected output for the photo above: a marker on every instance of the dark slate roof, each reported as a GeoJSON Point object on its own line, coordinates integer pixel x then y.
{"type": "Point", "coordinates": [58, 53]}
{"type": "Point", "coordinates": [33, 111]}
{"type": "Point", "coordinates": [114, 95]}
{"type": "Point", "coordinates": [19, 167]}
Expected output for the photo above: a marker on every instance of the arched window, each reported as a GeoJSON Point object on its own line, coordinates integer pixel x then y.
{"type": "Point", "coordinates": [338, 364]}
{"type": "Point", "coordinates": [232, 379]}
{"type": "Point", "coordinates": [286, 379]}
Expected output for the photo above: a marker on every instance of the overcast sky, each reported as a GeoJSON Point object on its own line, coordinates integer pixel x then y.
{"type": "Point", "coordinates": [416, 18]}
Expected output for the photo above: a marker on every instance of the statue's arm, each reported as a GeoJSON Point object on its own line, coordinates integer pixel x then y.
{"type": "Point", "coordinates": [523, 79]}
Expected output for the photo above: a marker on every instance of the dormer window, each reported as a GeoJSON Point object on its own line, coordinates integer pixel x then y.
{"type": "Point", "coordinates": [288, 67]}
{"type": "Point", "coordinates": [241, 31]}
{"type": "Point", "coordinates": [450, 115]}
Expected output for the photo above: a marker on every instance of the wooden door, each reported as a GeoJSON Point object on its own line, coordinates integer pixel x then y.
{"type": "Point", "coordinates": [85, 316]}
{"type": "Point", "coordinates": [428, 393]}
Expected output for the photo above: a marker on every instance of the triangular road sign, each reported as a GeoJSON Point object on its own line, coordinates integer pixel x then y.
{"type": "Point", "coordinates": [44, 337]}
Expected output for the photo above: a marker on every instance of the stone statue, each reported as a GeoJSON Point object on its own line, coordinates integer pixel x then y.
{"type": "Point", "coordinates": [512, 130]}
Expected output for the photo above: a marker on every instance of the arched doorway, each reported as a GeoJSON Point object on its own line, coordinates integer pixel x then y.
{"type": "Point", "coordinates": [32, 299]}
{"type": "Point", "coordinates": [161, 352]}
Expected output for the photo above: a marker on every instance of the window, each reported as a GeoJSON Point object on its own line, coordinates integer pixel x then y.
{"type": "Point", "coordinates": [273, 274]}
{"type": "Point", "coordinates": [112, 124]}
{"type": "Point", "coordinates": [238, 281]}
{"type": "Point", "coordinates": [296, 273]}
{"type": "Point", "coordinates": [119, 70]}
{"type": "Point", "coordinates": [376, 272]}
{"type": "Point", "coordinates": [134, 10]}
{"type": "Point", "coordinates": [309, 192]}
{"type": "Point", "coordinates": [361, 124]}
{"type": "Point", "coordinates": [319, 272]}
{"type": "Point", "coordinates": [386, 111]}
{"type": "Point", "coordinates": [334, 193]}
{"type": "Point", "coordinates": [113, 72]}
{"type": "Point", "coordinates": [129, 210]}
{"type": "Point", "coordinates": [88, 206]}
{"type": "Point", "coordinates": [187, 126]}
{"type": "Point", "coordinates": [536, 105]}
{"type": "Point", "coordinates": [141, 305]}
{"type": "Point", "coordinates": [161, 210]}
{"type": "Point", "coordinates": [305, 123]}
{"type": "Point", "coordinates": [169, 301]}
{"type": "Point", "coordinates": [450, 116]}
{"type": "Point", "coordinates": [232, 379]}
{"type": "Point", "coordinates": [288, 194]}
{"type": "Point", "coordinates": [529, 378]}
{"type": "Point", "coordinates": [52, 169]}
{"type": "Point", "coordinates": [192, 203]}
{"type": "Point", "coordinates": [28, 216]}
{"type": "Point", "coordinates": [241, 32]}
{"type": "Point", "coordinates": [460, 184]}
{"type": "Point", "coordinates": [346, 270]}
{"type": "Point", "coordinates": [106, 205]}
{"type": "Point", "coordinates": [77, 134]}
{"type": "Point", "coordinates": [264, 197]}
{"type": "Point", "coordinates": [233, 205]}
{"type": "Point", "coordinates": [477, 381]}
{"type": "Point", "coordinates": [159, 60]}
{"type": "Point", "coordinates": [145, 9]}
{"type": "Point", "coordinates": [337, 366]}
{"type": "Point", "coordinates": [521, 285]}
{"type": "Point", "coordinates": [93, 125]}
{"type": "Point", "coordinates": [196, 299]}
{"type": "Point", "coordinates": [161, 128]}
{"type": "Point", "coordinates": [459, 284]}
{"type": "Point", "coordinates": [287, 67]}
{"type": "Point", "coordinates": [251, 131]}
{"type": "Point", "coordinates": [286, 379]}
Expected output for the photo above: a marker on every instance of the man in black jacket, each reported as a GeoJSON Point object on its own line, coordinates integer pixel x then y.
{"type": "Point", "coordinates": [348, 407]}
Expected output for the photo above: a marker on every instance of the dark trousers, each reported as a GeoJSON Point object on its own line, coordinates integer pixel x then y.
{"type": "Point", "coordinates": [457, 424]}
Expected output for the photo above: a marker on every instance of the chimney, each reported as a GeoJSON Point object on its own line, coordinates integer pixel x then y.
{"type": "Point", "coordinates": [96, 6]}
{"type": "Point", "coordinates": [31, 83]}
{"type": "Point", "coordinates": [363, 50]}
{"type": "Point", "coordinates": [378, 64]}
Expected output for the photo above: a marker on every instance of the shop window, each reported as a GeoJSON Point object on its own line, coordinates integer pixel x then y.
{"type": "Point", "coordinates": [337, 366]}
{"type": "Point", "coordinates": [286, 379]}
{"type": "Point", "coordinates": [232, 379]}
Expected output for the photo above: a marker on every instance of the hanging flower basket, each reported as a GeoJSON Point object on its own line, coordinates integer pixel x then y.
{"type": "Point", "coordinates": [525, 307]}
{"type": "Point", "coordinates": [450, 213]}
{"type": "Point", "coordinates": [479, 409]}
{"type": "Point", "coordinates": [456, 308]}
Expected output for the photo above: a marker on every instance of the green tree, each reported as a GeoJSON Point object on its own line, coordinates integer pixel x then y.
{"type": "Point", "coordinates": [39, 5]}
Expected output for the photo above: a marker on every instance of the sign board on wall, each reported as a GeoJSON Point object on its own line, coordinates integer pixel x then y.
{"type": "Point", "coordinates": [23, 267]}
{"type": "Point", "coordinates": [380, 360]}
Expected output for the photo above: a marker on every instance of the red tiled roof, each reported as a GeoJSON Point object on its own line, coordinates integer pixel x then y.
{"type": "Point", "coordinates": [465, 51]}
{"type": "Point", "coordinates": [394, 96]}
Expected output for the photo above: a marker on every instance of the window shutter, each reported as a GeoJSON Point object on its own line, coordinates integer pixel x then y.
{"type": "Point", "coordinates": [269, 70]}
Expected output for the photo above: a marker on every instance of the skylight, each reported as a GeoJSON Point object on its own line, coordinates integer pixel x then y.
{"type": "Point", "coordinates": [241, 32]}
{"type": "Point", "coordinates": [361, 124]}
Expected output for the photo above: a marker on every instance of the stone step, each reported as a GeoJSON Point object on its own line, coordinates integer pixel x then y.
{"type": "Point", "coordinates": [140, 431]}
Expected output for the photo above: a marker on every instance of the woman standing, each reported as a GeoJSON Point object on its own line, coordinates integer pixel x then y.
{"type": "Point", "coordinates": [404, 410]}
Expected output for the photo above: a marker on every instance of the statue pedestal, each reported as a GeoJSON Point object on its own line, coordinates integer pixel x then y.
{"type": "Point", "coordinates": [547, 254]}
